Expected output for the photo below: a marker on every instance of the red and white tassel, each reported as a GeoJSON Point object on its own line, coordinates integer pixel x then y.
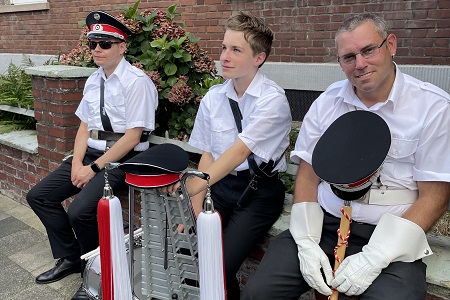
{"type": "Point", "coordinates": [113, 260]}
{"type": "Point", "coordinates": [210, 253]}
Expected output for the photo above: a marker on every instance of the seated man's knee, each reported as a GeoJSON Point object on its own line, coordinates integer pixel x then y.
{"type": "Point", "coordinates": [31, 197]}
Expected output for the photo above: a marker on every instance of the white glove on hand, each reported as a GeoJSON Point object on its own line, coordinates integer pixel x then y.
{"type": "Point", "coordinates": [306, 229]}
{"type": "Point", "coordinates": [394, 239]}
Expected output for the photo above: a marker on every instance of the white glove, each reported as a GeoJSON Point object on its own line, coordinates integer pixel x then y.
{"type": "Point", "coordinates": [306, 229]}
{"type": "Point", "coordinates": [394, 239]}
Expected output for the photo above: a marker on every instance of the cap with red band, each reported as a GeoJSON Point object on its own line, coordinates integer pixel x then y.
{"type": "Point", "coordinates": [102, 26]}
{"type": "Point", "coordinates": [350, 153]}
{"type": "Point", "coordinates": [158, 166]}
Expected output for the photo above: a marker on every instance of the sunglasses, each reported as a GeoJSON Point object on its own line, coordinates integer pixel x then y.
{"type": "Point", "coordinates": [103, 44]}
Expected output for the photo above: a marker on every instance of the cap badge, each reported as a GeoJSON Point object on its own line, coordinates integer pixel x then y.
{"type": "Point", "coordinates": [97, 16]}
{"type": "Point", "coordinates": [98, 27]}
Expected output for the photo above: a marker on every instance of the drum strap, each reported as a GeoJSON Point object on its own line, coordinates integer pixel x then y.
{"type": "Point", "coordinates": [103, 115]}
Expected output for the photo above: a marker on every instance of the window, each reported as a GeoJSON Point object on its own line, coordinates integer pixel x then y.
{"type": "Point", "coordinates": [17, 2]}
{"type": "Point", "coordinates": [13, 6]}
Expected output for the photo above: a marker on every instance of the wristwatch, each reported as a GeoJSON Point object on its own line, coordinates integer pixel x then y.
{"type": "Point", "coordinates": [94, 166]}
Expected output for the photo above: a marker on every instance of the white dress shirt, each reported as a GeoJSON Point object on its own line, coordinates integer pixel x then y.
{"type": "Point", "coordinates": [418, 116]}
{"type": "Point", "coordinates": [130, 101]}
{"type": "Point", "coordinates": [266, 121]}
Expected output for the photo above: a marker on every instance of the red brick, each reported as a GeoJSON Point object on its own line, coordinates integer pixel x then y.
{"type": "Point", "coordinates": [66, 120]}
{"type": "Point", "coordinates": [69, 96]}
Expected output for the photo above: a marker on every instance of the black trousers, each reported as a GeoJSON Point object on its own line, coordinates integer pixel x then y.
{"type": "Point", "coordinates": [278, 276]}
{"type": "Point", "coordinates": [74, 232]}
{"type": "Point", "coordinates": [244, 227]}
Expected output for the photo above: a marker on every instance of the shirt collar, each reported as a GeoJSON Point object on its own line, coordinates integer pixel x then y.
{"type": "Point", "coordinates": [254, 89]}
{"type": "Point", "coordinates": [119, 71]}
{"type": "Point", "coordinates": [347, 94]}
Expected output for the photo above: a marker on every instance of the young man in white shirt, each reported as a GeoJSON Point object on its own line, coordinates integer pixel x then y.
{"type": "Point", "coordinates": [265, 117]}
{"type": "Point", "coordinates": [129, 102]}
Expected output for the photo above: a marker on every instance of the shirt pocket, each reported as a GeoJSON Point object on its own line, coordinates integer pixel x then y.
{"type": "Point", "coordinates": [116, 107]}
{"type": "Point", "coordinates": [224, 134]}
{"type": "Point", "coordinates": [401, 157]}
{"type": "Point", "coordinates": [93, 105]}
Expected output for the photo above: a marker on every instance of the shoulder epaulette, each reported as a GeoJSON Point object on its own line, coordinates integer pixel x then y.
{"type": "Point", "coordinates": [434, 89]}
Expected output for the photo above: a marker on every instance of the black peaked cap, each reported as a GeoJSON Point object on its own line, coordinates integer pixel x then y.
{"type": "Point", "coordinates": [103, 25]}
{"type": "Point", "coordinates": [352, 149]}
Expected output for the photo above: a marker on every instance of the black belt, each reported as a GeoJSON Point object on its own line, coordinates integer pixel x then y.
{"type": "Point", "coordinates": [114, 136]}
{"type": "Point", "coordinates": [244, 173]}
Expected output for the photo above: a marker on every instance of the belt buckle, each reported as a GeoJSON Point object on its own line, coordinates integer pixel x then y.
{"type": "Point", "coordinates": [364, 199]}
{"type": "Point", "coordinates": [253, 183]}
{"type": "Point", "coordinates": [94, 134]}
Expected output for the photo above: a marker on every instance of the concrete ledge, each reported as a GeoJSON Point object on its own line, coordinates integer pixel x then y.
{"type": "Point", "coordinates": [60, 71]}
{"type": "Point", "coordinates": [25, 140]}
{"type": "Point", "coordinates": [438, 264]}
{"type": "Point", "coordinates": [17, 59]}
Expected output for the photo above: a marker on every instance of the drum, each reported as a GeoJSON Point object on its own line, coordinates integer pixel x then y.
{"type": "Point", "coordinates": [92, 282]}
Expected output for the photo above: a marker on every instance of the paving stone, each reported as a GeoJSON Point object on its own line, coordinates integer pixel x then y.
{"type": "Point", "coordinates": [13, 279]}
{"type": "Point", "coordinates": [3, 215]}
{"type": "Point", "coordinates": [10, 226]}
{"type": "Point", "coordinates": [26, 215]}
{"type": "Point", "coordinates": [22, 238]}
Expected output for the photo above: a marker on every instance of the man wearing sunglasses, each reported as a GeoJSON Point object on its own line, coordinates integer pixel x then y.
{"type": "Point", "coordinates": [117, 112]}
{"type": "Point", "coordinates": [387, 238]}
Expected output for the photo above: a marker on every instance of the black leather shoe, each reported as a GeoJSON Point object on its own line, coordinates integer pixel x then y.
{"type": "Point", "coordinates": [80, 294]}
{"type": "Point", "coordinates": [62, 268]}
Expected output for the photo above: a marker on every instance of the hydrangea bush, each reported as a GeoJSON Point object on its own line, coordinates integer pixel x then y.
{"type": "Point", "coordinates": [180, 69]}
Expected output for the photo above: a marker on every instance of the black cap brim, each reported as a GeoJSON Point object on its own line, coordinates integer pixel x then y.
{"type": "Point", "coordinates": [159, 159]}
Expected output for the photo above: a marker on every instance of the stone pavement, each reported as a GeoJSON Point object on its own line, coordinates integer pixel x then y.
{"type": "Point", "coordinates": [24, 254]}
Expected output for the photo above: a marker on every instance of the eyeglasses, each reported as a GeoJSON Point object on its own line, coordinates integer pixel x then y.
{"type": "Point", "coordinates": [103, 44]}
{"type": "Point", "coordinates": [368, 52]}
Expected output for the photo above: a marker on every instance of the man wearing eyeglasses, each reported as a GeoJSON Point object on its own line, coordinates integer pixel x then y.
{"type": "Point", "coordinates": [117, 112]}
{"type": "Point", "coordinates": [387, 240]}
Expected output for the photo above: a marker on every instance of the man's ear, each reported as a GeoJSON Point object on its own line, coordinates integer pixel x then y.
{"type": "Point", "coordinates": [260, 58]}
{"type": "Point", "coordinates": [392, 43]}
{"type": "Point", "coordinates": [123, 47]}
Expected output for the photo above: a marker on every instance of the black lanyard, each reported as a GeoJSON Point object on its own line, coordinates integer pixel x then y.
{"type": "Point", "coordinates": [252, 165]}
{"type": "Point", "coordinates": [103, 115]}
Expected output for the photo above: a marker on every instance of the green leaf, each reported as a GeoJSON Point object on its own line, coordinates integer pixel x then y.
{"type": "Point", "coordinates": [172, 80]}
{"type": "Point", "coordinates": [177, 54]}
{"type": "Point", "coordinates": [181, 40]}
{"type": "Point", "coordinates": [186, 57]}
{"type": "Point", "coordinates": [172, 9]}
{"type": "Point", "coordinates": [170, 69]}
{"type": "Point", "coordinates": [157, 44]}
{"type": "Point", "coordinates": [132, 11]}
{"type": "Point", "coordinates": [145, 46]}
{"type": "Point", "coordinates": [183, 69]}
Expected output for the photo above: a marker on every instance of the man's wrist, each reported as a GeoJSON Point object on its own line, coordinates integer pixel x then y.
{"type": "Point", "coordinates": [95, 167]}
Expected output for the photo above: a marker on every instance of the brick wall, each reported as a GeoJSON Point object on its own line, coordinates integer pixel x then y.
{"type": "Point", "coordinates": [304, 29]}
{"type": "Point", "coordinates": [55, 101]}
